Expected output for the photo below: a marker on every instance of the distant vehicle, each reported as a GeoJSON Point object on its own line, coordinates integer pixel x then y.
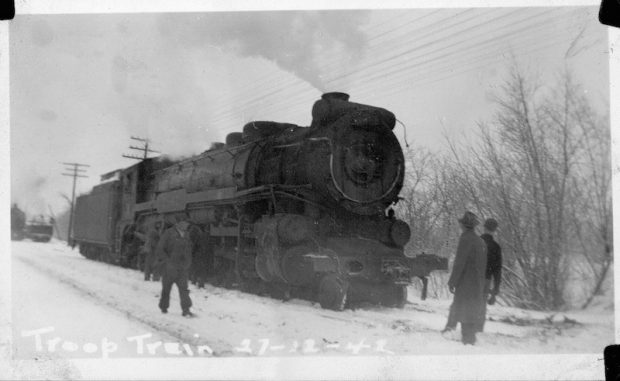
{"type": "Point", "coordinates": [39, 230]}
{"type": "Point", "coordinates": [18, 223]}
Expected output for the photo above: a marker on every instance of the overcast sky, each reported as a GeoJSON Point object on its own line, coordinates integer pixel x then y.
{"type": "Point", "coordinates": [81, 85]}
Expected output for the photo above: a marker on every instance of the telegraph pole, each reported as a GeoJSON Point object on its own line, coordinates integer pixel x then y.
{"type": "Point", "coordinates": [75, 172]}
{"type": "Point", "coordinates": [145, 149]}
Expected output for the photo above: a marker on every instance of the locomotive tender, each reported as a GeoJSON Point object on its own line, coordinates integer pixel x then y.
{"type": "Point", "coordinates": [302, 208]}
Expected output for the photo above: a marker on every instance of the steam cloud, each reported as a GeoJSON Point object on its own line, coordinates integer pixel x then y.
{"type": "Point", "coordinates": [302, 43]}
{"type": "Point", "coordinates": [30, 197]}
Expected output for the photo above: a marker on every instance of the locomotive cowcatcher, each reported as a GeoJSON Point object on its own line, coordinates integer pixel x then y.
{"type": "Point", "coordinates": [299, 209]}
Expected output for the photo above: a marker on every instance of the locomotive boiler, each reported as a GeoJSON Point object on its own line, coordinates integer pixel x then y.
{"type": "Point", "coordinates": [305, 209]}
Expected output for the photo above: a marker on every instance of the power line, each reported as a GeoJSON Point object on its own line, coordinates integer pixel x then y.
{"type": "Point", "coordinates": [528, 29]}
{"type": "Point", "coordinates": [402, 69]}
{"type": "Point", "coordinates": [259, 85]}
{"type": "Point", "coordinates": [145, 149]}
{"type": "Point", "coordinates": [441, 23]}
{"type": "Point", "coordinates": [455, 39]}
{"type": "Point", "coordinates": [76, 171]}
{"type": "Point", "coordinates": [435, 75]}
{"type": "Point", "coordinates": [400, 56]}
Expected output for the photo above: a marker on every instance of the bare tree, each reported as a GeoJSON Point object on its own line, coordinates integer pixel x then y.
{"type": "Point", "coordinates": [541, 167]}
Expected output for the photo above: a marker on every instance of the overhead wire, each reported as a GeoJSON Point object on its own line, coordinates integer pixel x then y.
{"type": "Point", "coordinates": [298, 82]}
{"type": "Point", "coordinates": [527, 27]}
{"type": "Point", "coordinates": [379, 74]}
{"type": "Point", "coordinates": [259, 84]}
{"type": "Point", "coordinates": [277, 89]}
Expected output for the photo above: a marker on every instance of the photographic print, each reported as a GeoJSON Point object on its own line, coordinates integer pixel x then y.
{"type": "Point", "coordinates": [265, 187]}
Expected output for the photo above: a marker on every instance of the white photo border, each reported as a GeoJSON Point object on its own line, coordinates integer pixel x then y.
{"type": "Point", "coordinates": [587, 366]}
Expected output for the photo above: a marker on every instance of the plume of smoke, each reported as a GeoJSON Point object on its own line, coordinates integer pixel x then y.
{"type": "Point", "coordinates": [29, 195]}
{"type": "Point", "coordinates": [164, 90]}
{"type": "Point", "coordinates": [303, 43]}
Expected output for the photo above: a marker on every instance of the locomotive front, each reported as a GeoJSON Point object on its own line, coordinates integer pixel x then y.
{"type": "Point", "coordinates": [366, 163]}
{"type": "Point", "coordinates": [342, 237]}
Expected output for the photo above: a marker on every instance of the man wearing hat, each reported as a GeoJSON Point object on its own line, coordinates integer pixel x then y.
{"type": "Point", "coordinates": [494, 267]}
{"type": "Point", "coordinates": [174, 250]}
{"type": "Point", "coordinates": [467, 280]}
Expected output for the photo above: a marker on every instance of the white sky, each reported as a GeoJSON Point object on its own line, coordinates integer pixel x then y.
{"type": "Point", "coordinates": [81, 85]}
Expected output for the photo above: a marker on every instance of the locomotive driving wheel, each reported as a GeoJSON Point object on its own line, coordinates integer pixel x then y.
{"type": "Point", "coordinates": [333, 292]}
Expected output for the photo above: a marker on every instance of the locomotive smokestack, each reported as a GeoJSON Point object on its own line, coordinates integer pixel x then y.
{"type": "Point", "coordinates": [335, 95]}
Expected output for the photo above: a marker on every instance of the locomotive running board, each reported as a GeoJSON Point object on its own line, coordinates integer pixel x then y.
{"type": "Point", "coordinates": [180, 199]}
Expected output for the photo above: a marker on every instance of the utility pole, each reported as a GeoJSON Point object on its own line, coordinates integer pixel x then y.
{"type": "Point", "coordinates": [145, 149]}
{"type": "Point", "coordinates": [75, 172]}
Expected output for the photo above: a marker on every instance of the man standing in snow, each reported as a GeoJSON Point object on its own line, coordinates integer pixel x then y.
{"type": "Point", "coordinates": [175, 251]}
{"type": "Point", "coordinates": [494, 267]}
{"type": "Point", "coordinates": [467, 280]}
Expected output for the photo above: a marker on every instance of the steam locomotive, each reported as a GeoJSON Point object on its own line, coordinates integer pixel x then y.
{"type": "Point", "coordinates": [36, 229]}
{"type": "Point", "coordinates": [301, 208]}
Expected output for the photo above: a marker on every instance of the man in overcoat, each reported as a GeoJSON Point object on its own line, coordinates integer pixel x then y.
{"type": "Point", "coordinates": [175, 251]}
{"type": "Point", "coordinates": [467, 280]}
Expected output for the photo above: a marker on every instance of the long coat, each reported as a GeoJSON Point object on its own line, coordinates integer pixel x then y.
{"type": "Point", "coordinates": [175, 251]}
{"type": "Point", "coordinates": [468, 278]}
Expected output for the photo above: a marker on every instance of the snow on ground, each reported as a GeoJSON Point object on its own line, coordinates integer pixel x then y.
{"type": "Point", "coordinates": [86, 301]}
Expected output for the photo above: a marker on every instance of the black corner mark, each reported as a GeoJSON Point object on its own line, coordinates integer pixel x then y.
{"type": "Point", "coordinates": [612, 362]}
{"type": "Point", "coordinates": [609, 13]}
{"type": "Point", "coordinates": [7, 10]}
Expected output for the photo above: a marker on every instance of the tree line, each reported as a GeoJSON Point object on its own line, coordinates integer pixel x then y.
{"type": "Point", "coordinates": [542, 167]}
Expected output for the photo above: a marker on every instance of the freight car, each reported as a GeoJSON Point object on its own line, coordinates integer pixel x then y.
{"type": "Point", "coordinates": [303, 209]}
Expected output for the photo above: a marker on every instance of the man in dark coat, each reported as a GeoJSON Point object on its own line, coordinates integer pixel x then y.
{"type": "Point", "coordinates": [467, 280]}
{"type": "Point", "coordinates": [175, 251]}
{"type": "Point", "coordinates": [494, 267]}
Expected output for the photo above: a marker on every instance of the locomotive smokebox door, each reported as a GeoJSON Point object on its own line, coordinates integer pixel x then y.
{"type": "Point", "coordinates": [367, 166]}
